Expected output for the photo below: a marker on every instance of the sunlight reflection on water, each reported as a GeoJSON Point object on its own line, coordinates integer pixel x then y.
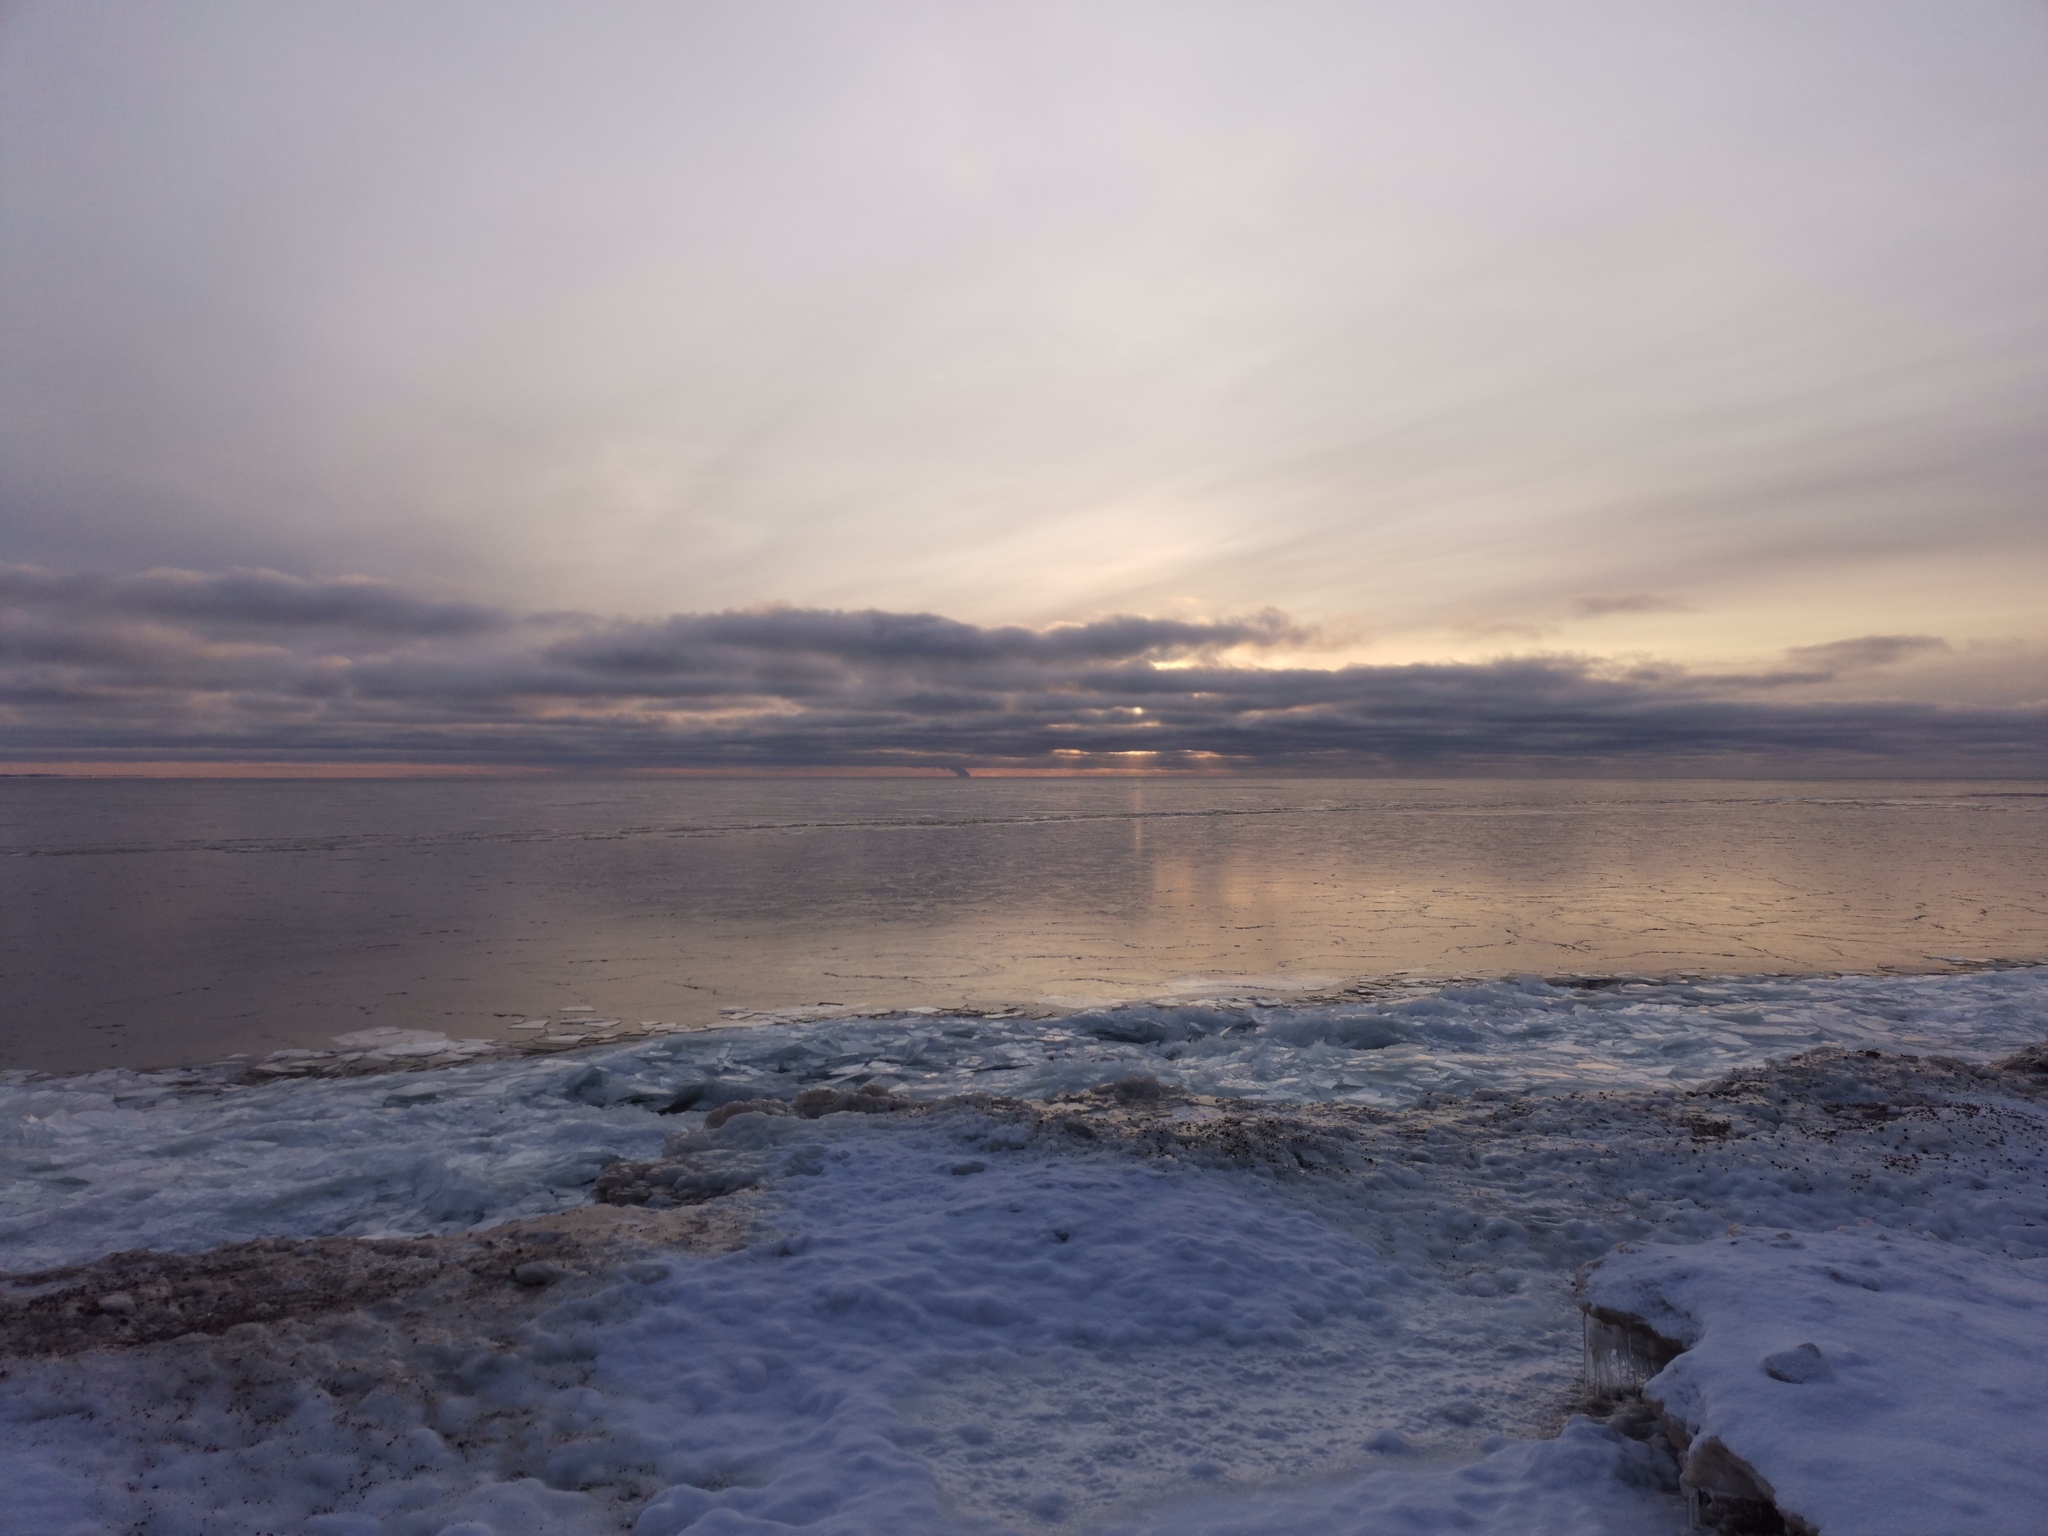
{"type": "Point", "coordinates": [147, 923]}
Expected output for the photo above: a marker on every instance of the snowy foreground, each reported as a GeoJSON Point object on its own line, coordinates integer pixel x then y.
{"type": "Point", "coordinates": [1326, 1277]}
{"type": "Point", "coordinates": [1921, 1366]}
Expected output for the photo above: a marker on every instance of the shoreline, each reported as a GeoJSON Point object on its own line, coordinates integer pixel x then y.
{"type": "Point", "coordinates": [391, 1049]}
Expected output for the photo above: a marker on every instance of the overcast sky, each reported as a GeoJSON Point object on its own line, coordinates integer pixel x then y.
{"type": "Point", "coordinates": [1696, 350]}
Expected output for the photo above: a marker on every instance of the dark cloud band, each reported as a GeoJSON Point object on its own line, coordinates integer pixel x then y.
{"type": "Point", "coordinates": [240, 600]}
{"type": "Point", "coordinates": [255, 664]}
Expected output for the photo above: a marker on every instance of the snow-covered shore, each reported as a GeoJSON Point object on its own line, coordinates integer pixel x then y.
{"type": "Point", "coordinates": [1858, 1380]}
{"type": "Point", "coordinates": [1254, 1300]}
{"type": "Point", "coordinates": [181, 1161]}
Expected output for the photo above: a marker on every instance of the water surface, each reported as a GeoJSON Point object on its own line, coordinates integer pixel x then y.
{"type": "Point", "coordinates": [147, 923]}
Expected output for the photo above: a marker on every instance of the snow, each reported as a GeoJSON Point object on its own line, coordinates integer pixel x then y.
{"type": "Point", "coordinates": [1877, 1384]}
{"type": "Point", "coordinates": [116, 1160]}
{"type": "Point", "coordinates": [1589, 1481]}
{"type": "Point", "coordinates": [1046, 1342]}
{"type": "Point", "coordinates": [1250, 1302]}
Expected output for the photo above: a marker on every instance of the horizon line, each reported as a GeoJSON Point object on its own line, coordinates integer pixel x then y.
{"type": "Point", "coordinates": [267, 769]}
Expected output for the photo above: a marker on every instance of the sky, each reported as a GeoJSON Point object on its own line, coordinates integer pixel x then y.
{"type": "Point", "coordinates": [1352, 387]}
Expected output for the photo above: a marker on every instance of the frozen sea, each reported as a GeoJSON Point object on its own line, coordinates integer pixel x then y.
{"type": "Point", "coordinates": [1247, 1173]}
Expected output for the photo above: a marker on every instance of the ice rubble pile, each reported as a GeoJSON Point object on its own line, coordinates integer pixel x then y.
{"type": "Point", "coordinates": [122, 1159]}
{"type": "Point", "coordinates": [1385, 1051]}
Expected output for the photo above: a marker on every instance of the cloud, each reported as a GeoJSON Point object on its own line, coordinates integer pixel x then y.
{"type": "Point", "coordinates": [1260, 303]}
{"type": "Point", "coordinates": [263, 665]}
{"type": "Point", "coordinates": [1595, 605]}
{"type": "Point", "coordinates": [688, 642]}
{"type": "Point", "coordinates": [244, 599]}
{"type": "Point", "coordinates": [1865, 652]}
{"type": "Point", "coordinates": [1505, 631]}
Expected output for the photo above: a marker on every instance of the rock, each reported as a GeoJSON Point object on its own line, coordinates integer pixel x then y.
{"type": "Point", "coordinates": [725, 1112]}
{"type": "Point", "coordinates": [120, 1303]}
{"type": "Point", "coordinates": [538, 1272]}
{"type": "Point", "coordinates": [1134, 1089]}
{"type": "Point", "coordinates": [2031, 1061]}
{"type": "Point", "coordinates": [868, 1099]}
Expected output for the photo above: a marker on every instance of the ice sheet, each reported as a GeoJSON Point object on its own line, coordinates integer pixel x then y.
{"type": "Point", "coordinates": [1878, 1385]}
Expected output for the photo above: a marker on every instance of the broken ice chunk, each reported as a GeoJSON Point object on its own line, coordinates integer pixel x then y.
{"type": "Point", "coordinates": [389, 1042]}
{"type": "Point", "coordinates": [1799, 1366]}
